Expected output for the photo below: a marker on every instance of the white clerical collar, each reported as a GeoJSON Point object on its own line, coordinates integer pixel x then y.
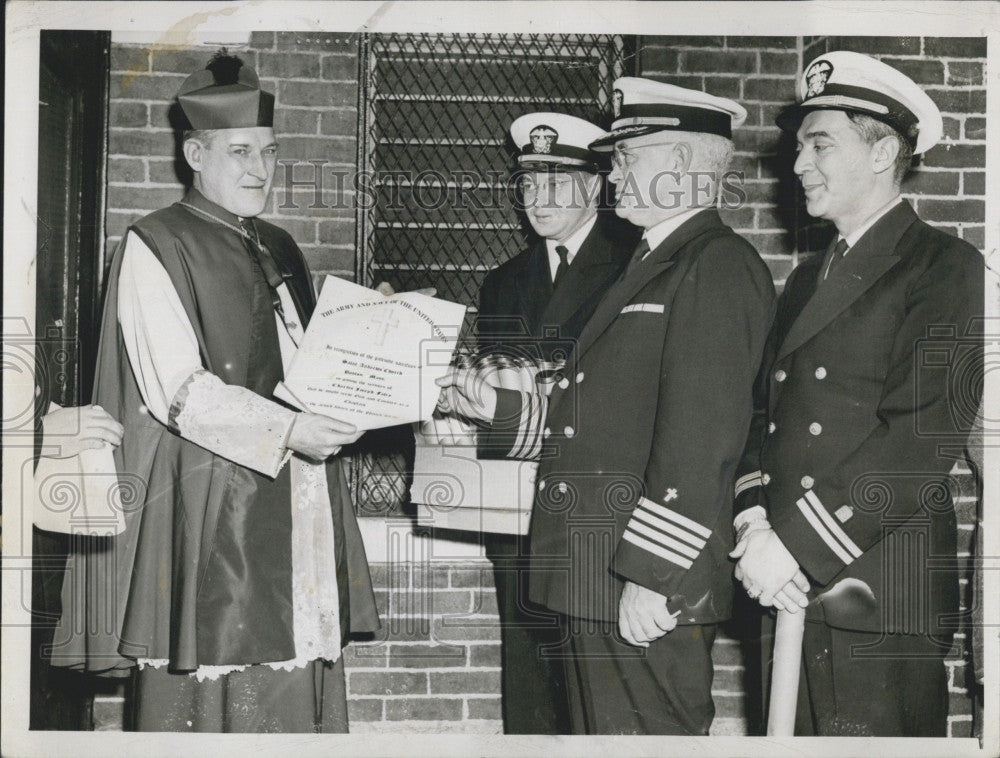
{"type": "Point", "coordinates": [655, 235]}
{"type": "Point", "coordinates": [854, 236]}
{"type": "Point", "coordinates": [572, 244]}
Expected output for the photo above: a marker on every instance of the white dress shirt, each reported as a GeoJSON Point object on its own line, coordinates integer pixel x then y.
{"type": "Point", "coordinates": [655, 235]}
{"type": "Point", "coordinates": [572, 244]}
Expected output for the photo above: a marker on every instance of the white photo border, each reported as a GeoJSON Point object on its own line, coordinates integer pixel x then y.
{"type": "Point", "coordinates": [178, 23]}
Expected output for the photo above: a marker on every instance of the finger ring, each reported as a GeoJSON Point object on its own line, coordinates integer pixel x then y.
{"type": "Point", "coordinates": [754, 594]}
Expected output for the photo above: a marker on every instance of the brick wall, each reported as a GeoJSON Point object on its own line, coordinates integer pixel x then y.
{"type": "Point", "coordinates": [435, 666]}
{"type": "Point", "coordinates": [759, 73]}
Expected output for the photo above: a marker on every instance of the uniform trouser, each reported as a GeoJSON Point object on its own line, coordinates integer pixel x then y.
{"type": "Point", "coordinates": [617, 688]}
{"type": "Point", "coordinates": [257, 699]}
{"type": "Point", "coordinates": [860, 684]}
{"type": "Point", "coordinates": [533, 685]}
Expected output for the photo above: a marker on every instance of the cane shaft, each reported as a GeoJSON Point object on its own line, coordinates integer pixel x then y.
{"type": "Point", "coordinates": [785, 673]}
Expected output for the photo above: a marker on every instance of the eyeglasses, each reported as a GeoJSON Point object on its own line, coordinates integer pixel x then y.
{"type": "Point", "coordinates": [622, 158]}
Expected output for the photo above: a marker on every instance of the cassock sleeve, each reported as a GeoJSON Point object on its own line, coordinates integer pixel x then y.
{"type": "Point", "coordinates": [230, 421]}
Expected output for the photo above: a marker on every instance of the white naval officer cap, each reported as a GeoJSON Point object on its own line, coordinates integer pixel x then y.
{"type": "Point", "coordinates": [644, 106]}
{"type": "Point", "coordinates": [555, 141]}
{"type": "Point", "coordinates": [858, 83]}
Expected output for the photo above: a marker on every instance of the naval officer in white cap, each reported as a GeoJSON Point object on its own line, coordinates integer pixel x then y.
{"type": "Point", "coordinates": [870, 372]}
{"type": "Point", "coordinates": [552, 287]}
{"type": "Point", "coordinates": [632, 519]}
{"type": "Point", "coordinates": [534, 305]}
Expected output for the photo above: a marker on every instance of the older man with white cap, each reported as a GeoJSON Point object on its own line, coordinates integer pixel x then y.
{"type": "Point", "coordinates": [642, 433]}
{"type": "Point", "coordinates": [871, 372]}
{"type": "Point", "coordinates": [533, 307]}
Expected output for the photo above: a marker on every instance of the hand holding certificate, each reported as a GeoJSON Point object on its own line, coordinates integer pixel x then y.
{"type": "Point", "coordinates": [370, 359]}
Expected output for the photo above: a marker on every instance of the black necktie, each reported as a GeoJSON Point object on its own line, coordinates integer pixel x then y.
{"type": "Point", "coordinates": [641, 251]}
{"type": "Point", "coordinates": [834, 257]}
{"type": "Point", "coordinates": [563, 266]}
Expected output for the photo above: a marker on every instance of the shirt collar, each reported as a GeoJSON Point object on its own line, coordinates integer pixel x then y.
{"type": "Point", "coordinates": [858, 233]}
{"type": "Point", "coordinates": [572, 244]}
{"type": "Point", "coordinates": [655, 235]}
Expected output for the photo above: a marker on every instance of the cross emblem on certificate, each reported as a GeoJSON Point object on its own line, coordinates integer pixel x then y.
{"type": "Point", "coordinates": [382, 322]}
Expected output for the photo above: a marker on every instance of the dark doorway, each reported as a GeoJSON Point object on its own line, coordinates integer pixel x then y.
{"type": "Point", "coordinates": [72, 156]}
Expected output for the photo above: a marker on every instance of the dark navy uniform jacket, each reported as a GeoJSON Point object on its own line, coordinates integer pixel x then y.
{"type": "Point", "coordinates": [518, 307]}
{"type": "Point", "coordinates": [869, 387]}
{"type": "Point", "coordinates": [523, 316]}
{"type": "Point", "coordinates": [642, 434]}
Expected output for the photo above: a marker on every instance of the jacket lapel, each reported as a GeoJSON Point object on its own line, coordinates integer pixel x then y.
{"type": "Point", "coordinates": [798, 293]}
{"type": "Point", "coordinates": [638, 275]}
{"type": "Point", "coordinates": [595, 262]}
{"type": "Point", "coordinates": [870, 258]}
{"type": "Point", "coordinates": [534, 286]}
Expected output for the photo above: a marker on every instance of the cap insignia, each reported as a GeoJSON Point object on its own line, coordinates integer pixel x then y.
{"type": "Point", "coordinates": [817, 77]}
{"type": "Point", "coordinates": [542, 139]}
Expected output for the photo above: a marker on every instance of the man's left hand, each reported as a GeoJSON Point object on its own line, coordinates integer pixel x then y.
{"type": "Point", "coordinates": [643, 615]}
{"type": "Point", "coordinates": [769, 572]}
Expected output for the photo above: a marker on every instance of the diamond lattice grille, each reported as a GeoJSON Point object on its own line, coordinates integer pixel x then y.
{"type": "Point", "coordinates": [436, 146]}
